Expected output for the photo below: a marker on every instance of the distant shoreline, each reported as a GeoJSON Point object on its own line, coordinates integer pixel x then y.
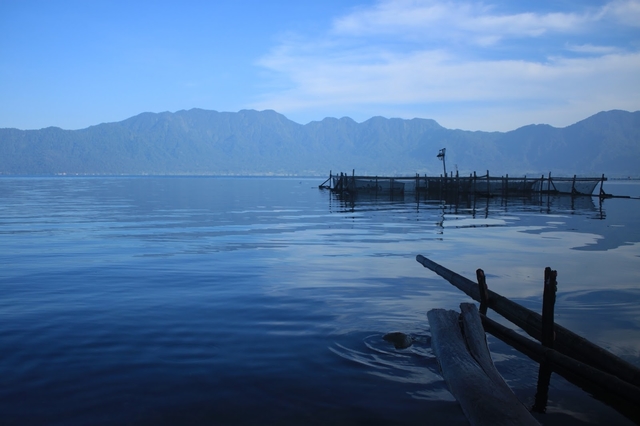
{"type": "Point", "coordinates": [213, 175]}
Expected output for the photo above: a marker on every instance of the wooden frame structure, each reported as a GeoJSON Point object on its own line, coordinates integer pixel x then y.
{"type": "Point", "coordinates": [578, 360]}
{"type": "Point", "coordinates": [485, 185]}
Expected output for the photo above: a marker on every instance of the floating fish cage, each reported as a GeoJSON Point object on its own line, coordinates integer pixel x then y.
{"type": "Point", "coordinates": [473, 184]}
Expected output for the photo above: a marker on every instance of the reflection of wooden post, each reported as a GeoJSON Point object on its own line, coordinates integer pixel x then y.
{"type": "Point", "coordinates": [484, 291]}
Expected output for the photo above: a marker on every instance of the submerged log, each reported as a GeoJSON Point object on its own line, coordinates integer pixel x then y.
{"type": "Point", "coordinates": [459, 343]}
{"type": "Point", "coordinates": [566, 342]}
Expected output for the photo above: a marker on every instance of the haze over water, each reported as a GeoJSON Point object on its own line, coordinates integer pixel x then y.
{"type": "Point", "coordinates": [193, 300]}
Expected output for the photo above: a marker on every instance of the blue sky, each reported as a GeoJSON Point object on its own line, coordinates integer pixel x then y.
{"type": "Point", "coordinates": [491, 65]}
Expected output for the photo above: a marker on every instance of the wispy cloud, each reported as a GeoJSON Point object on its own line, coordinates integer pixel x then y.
{"type": "Point", "coordinates": [625, 12]}
{"type": "Point", "coordinates": [448, 20]}
{"type": "Point", "coordinates": [592, 49]}
{"type": "Point", "coordinates": [456, 60]}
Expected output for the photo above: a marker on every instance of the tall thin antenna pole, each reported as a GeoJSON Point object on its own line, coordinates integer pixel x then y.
{"type": "Point", "coordinates": [441, 156]}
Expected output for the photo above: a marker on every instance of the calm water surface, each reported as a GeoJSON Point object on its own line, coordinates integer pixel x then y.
{"type": "Point", "coordinates": [191, 300]}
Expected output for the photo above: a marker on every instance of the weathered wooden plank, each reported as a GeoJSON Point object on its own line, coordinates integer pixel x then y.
{"type": "Point", "coordinates": [566, 342]}
{"type": "Point", "coordinates": [476, 341]}
{"type": "Point", "coordinates": [484, 399]}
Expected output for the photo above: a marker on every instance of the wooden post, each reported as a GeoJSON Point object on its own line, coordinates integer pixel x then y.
{"type": "Point", "coordinates": [548, 302]}
{"type": "Point", "coordinates": [474, 184]}
{"type": "Point", "coordinates": [506, 186]}
{"type": "Point", "coordinates": [484, 291]}
{"type": "Point", "coordinates": [547, 339]}
{"type": "Point", "coordinates": [542, 387]}
{"type": "Point", "coordinates": [549, 194]}
{"type": "Point", "coordinates": [488, 186]}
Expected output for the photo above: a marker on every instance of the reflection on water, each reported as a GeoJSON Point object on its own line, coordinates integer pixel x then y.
{"type": "Point", "coordinates": [468, 211]}
{"type": "Point", "coordinates": [256, 300]}
{"type": "Point", "coordinates": [476, 207]}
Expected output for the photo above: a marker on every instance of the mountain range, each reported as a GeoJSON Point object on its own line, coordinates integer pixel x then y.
{"type": "Point", "coordinates": [252, 142]}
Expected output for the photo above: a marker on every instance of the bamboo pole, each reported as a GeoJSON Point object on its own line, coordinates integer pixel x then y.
{"type": "Point", "coordinates": [567, 342]}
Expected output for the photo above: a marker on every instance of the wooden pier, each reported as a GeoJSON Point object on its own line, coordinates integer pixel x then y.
{"type": "Point", "coordinates": [456, 185]}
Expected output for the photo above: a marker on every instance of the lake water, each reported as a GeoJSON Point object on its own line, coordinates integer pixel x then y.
{"type": "Point", "coordinates": [243, 301]}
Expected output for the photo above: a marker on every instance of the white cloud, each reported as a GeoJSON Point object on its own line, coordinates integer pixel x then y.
{"type": "Point", "coordinates": [411, 19]}
{"type": "Point", "coordinates": [406, 57]}
{"type": "Point", "coordinates": [625, 12]}
{"type": "Point", "coordinates": [592, 49]}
